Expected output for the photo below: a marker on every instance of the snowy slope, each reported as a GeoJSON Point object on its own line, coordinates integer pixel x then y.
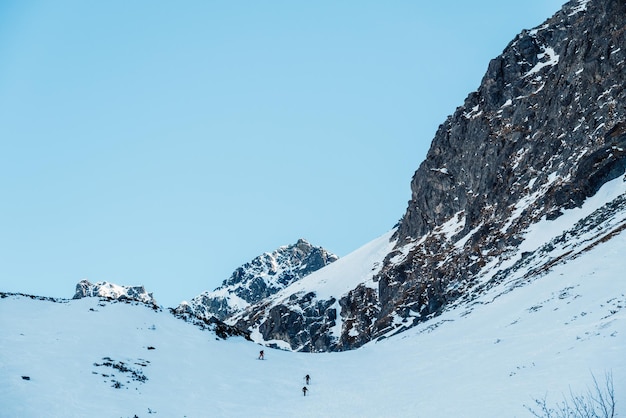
{"type": "Point", "coordinates": [345, 274]}
{"type": "Point", "coordinates": [511, 347]}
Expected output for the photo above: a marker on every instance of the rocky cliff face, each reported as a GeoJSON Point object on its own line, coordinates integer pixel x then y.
{"type": "Point", "coordinates": [256, 280]}
{"type": "Point", "coordinates": [543, 132]}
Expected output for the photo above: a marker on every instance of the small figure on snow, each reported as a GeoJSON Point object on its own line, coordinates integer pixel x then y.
{"type": "Point", "coordinates": [305, 390]}
{"type": "Point", "coordinates": [307, 379]}
{"type": "Point", "coordinates": [261, 355]}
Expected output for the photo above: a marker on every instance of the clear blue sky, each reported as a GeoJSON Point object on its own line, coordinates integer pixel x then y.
{"type": "Point", "coordinates": [167, 143]}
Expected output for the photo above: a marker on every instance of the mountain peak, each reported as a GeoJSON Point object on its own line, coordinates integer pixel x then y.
{"type": "Point", "coordinates": [257, 279]}
{"type": "Point", "coordinates": [112, 291]}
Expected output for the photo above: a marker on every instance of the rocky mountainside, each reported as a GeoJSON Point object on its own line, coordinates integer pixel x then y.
{"type": "Point", "coordinates": [543, 133]}
{"type": "Point", "coordinates": [256, 280]}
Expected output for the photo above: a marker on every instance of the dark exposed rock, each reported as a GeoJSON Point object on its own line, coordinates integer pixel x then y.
{"type": "Point", "coordinates": [305, 329]}
{"type": "Point", "coordinates": [359, 309]}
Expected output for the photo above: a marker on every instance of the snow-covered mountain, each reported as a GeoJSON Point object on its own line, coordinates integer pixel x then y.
{"type": "Point", "coordinates": [543, 135]}
{"type": "Point", "coordinates": [501, 285]}
{"type": "Point", "coordinates": [112, 291]}
{"type": "Point", "coordinates": [256, 280]}
{"type": "Point", "coordinates": [514, 344]}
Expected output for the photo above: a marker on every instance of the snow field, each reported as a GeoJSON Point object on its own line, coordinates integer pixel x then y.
{"type": "Point", "coordinates": [487, 360]}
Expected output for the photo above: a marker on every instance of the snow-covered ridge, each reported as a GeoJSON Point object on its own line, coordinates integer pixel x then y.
{"type": "Point", "coordinates": [85, 289]}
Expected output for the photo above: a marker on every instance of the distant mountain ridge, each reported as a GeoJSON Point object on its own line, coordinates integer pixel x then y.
{"type": "Point", "coordinates": [256, 280]}
{"type": "Point", "coordinates": [112, 291]}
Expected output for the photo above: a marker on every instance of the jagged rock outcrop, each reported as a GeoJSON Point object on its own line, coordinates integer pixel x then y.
{"type": "Point", "coordinates": [85, 289]}
{"type": "Point", "coordinates": [256, 280]}
{"type": "Point", "coordinates": [543, 132]}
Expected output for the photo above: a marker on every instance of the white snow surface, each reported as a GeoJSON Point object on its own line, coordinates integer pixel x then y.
{"type": "Point", "coordinates": [540, 340]}
{"type": "Point", "coordinates": [548, 57]}
{"type": "Point", "coordinates": [543, 231]}
{"type": "Point", "coordinates": [110, 290]}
